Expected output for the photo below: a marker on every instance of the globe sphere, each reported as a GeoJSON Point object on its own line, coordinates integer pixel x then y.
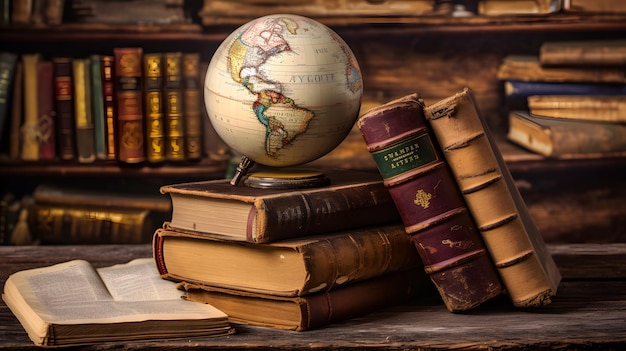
{"type": "Point", "coordinates": [283, 90]}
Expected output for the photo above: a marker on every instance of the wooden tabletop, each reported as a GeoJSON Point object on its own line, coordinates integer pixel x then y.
{"type": "Point", "coordinates": [588, 313]}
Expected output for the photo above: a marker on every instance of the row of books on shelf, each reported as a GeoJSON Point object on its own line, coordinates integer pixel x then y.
{"type": "Point", "coordinates": [128, 106]}
{"type": "Point", "coordinates": [545, 7]}
{"type": "Point", "coordinates": [569, 100]}
{"type": "Point", "coordinates": [441, 222]}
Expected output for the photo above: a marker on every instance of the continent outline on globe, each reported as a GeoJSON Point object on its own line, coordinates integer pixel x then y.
{"type": "Point", "coordinates": [284, 115]}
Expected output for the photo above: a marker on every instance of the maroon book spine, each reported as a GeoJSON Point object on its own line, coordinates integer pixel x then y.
{"type": "Point", "coordinates": [108, 91]}
{"type": "Point", "coordinates": [46, 121]}
{"type": "Point", "coordinates": [430, 203]}
{"type": "Point", "coordinates": [129, 97]}
{"type": "Point", "coordinates": [64, 105]}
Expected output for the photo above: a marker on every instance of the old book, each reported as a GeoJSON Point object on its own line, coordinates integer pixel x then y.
{"type": "Point", "coordinates": [64, 106]}
{"type": "Point", "coordinates": [143, 12]}
{"type": "Point", "coordinates": [174, 109]}
{"type": "Point", "coordinates": [599, 108]}
{"type": "Point", "coordinates": [560, 137]}
{"type": "Point", "coordinates": [594, 6]}
{"type": "Point", "coordinates": [73, 303]}
{"type": "Point", "coordinates": [518, 7]}
{"type": "Point", "coordinates": [584, 53]}
{"type": "Point", "coordinates": [305, 265]}
{"type": "Point", "coordinates": [97, 107]}
{"type": "Point", "coordinates": [192, 97]}
{"type": "Point", "coordinates": [21, 11]}
{"type": "Point", "coordinates": [29, 143]}
{"type": "Point", "coordinates": [83, 113]}
{"type": "Point", "coordinates": [383, 11]}
{"type": "Point", "coordinates": [17, 108]}
{"type": "Point", "coordinates": [108, 85]}
{"type": "Point", "coordinates": [529, 274]}
{"type": "Point", "coordinates": [79, 224]}
{"type": "Point", "coordinates": [528, 68]}
{"type": "Point", "coordinates": [314, 310]}
{"type": "Point", "coordinates": [46, 113]}
{"type": "Point", "coordinates": [129, 103]}
{"type": "Point", "coordinates": [153, 98]}
{"type": "Point", "coordinates": [8, 62]}
{"type": "Point", "coordinates": [353, 199]}
{"type": "Point", "coordinates": [429, 202]}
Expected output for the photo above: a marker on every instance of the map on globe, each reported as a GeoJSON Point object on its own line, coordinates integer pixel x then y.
{"type": "Point", "coordinates": [294, 74]}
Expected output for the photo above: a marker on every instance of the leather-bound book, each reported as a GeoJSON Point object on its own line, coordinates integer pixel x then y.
{"type": "Point", "coordinates": [430, 203]}
{"type": "Point", "coordinates": [97, 107]}
{"type": "Point", "coordinates": [129, 101]}
{"type": "Point", "coordinates": [192, 105]}
{"type": "Point", "coordinates": [46, 114]}
{"type": "Point", "coordinates": [174, 110]}
{"type": "Point", "coordinates": [529, 274]}
{"type": "Point", "coordinates": [64, 105]}
{"type": "Point", "coordinates": [8, 62]}
{"type": "Point", "coordinates": [108, 92]}
{"type": "Point", "coordinates": [153, 95]}
{"type": "Point", "coordinates": [83, 115]}
{"type": "Point", "coordinates": [29, 143]}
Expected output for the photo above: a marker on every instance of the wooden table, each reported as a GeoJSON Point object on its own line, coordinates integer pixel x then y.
{"type": "Point", "coordinates": [588, 313]}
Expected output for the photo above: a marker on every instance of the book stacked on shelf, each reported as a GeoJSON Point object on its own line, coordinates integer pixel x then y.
{"type": "Point", "coordinates": [125, 106]}
{"type": "Point", "coordinates": [518, 7]}
{"type": "Point", "coordinates": [290, 259]}
{"type": "Point", "coordinates": [568, 101]}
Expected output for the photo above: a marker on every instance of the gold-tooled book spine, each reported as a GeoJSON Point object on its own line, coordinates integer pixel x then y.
{"type": "Point", "coordinates": [153, 85]}
{"type": "Point", "coordinates": [29, 143]}
{"type": "Point", "coordinates": [108, 92]}
{"type": "Point", "coordinates": [85, 146]}
{"type": "Point", "coordinates": [128, 93]}
{"type": "Point", "coordinates": [174, 109]}
{"type": "Point", "coordinates": [192, 104]}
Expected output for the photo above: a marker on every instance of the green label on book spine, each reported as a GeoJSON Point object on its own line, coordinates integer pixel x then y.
{"type": "Point", "coordinates": [406, 156]}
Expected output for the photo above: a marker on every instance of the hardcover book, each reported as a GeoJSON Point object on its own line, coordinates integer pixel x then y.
{"type": "Point", "coordinates": [97, 106]}
{"type": "Point", "coordinates": [429, 202]}
{"type": "Point", "coordinates": [129, 102]}
{"type": "Point", "coordinates": [29, 143]}
{"type": "Point", "coordinates": [529, 274]}
{"type": "Point", "coordinates": [174, 109]}
{"type": "Point", "coordinates": [216, 208]}
{"type": "Point", "coordinates": [566, 138]}
{"type": "Point", "coordinates": [584, 52]}
{"type": "Point", "coordinates": [83, 113]}
{"type": "Point", "coordinates": [191, 103]}
{"type": "Point", "coordinates": [316, 310]}
{"type": "Point", "coordinates": [8, 62]}
{"type": "Point", "coordinates": [73, 303]}
{"type": "Point", "coordinates": [46, 114]}
{"type": "Point", "coordinates": [290, 267]}
{"type": "Point", "coordinates": [15, 136]}
{"type": "Point", "coordinates": [153, 93]}
{"type": "Point", "coordinates": [518, 7]}
{"type": "Point", "coordinates": [64, 106]}
{"type": "Point", "coordinates": [108, 86]}
{"type": "Point", "coordinates": [599, 108]}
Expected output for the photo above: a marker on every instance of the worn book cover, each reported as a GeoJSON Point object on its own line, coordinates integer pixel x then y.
{"type": "Point", "coordinates": [64, 107]}
{"type": "Point", "coordinates": [608, 52]}
{"type": "Point", "coordinates": [129, 103]}
{"type": "Point", "coordinates": [566, 138]}
{"type": "Point", "coordinates": [305, 265]}
{"type": "Point", "coordinates": [599, 108]}
{"type": "Point", "coordinates": [315, 310]}
{"type": "Point", "coordinates": [73, 303]}
{"type": "Point", "coordinates": [429, 202]}
{"type": "Point", "coordinates": [518, 7]}
{"type": "Point", "coordinates": [530, 275]}
{"type": "Point", "coordinates": [353, 199]}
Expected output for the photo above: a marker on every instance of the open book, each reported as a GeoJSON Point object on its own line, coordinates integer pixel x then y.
{"type": "Point", "coordinates": [73, 303]}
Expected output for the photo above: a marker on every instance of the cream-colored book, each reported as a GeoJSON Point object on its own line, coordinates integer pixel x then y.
{"type": "Point", "coordinates": [72, 303]}
{"type": "Point", "coordinates": [529, 273]}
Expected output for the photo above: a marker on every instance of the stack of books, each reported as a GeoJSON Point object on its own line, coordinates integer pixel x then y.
{"type": "Point", "coordinates": [290, 259]}
{"type": "Point", "coordinates": [569, 101]}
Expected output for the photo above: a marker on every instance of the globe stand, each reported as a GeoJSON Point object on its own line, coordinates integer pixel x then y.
{"type": "Point", "coordinates": [278, 178]}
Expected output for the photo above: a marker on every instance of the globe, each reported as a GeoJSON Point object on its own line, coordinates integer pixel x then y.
{"type": "Point", "coordinates": [283, 90]}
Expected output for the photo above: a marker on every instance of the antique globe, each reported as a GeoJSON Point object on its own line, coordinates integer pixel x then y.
{"type": "Point", "coordinates": [283, 90]}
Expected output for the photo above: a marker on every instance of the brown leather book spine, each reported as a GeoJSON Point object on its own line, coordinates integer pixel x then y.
{"type": "Point", "coordinates": [85, 147]}
{"type": "Point", "coordinates": [174, 109]}
{"type": "Point", "coordinates": [430, 204]}
{"type": "Point", "coordinates": [153, 93]}
{"type": "Point", "coordinates": [192, 105]}
{"type": "Point", "coordinates": [47, 115]}
{"type": "Point", "coordinates": [128, 93]}
{"type": "Point", "coordinates": [64, 105]}
{"type": "Point", "coordinates": [108, 92]}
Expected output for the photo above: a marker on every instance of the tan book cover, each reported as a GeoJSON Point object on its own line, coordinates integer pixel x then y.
{"type": "Point", "coordinates": [609, 52]}
{"type": "Point", "coordinates": [72, 303]}
{"type": "Point", "coordinates": [305, 265]}
{"type": "Point", "coordinates": [83, 113]}
{"type": "Point", "coordinates": [594, 6]}
{"type": "Point", "coordinates": [29, 146]}
{"type": "Point", "coordinates": [599, 108]}
{"type": "Point", "coordinates": [518, 7]}
{"type": "Point", "coordinates": [529, 273]}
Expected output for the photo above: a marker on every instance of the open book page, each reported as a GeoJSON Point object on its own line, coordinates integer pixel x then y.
{"type": "Point", "coordinates": [73, 293]}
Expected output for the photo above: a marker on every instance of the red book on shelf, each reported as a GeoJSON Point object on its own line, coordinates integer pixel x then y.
{"type": "Point", "coordinates": [128, 93]}
{"type": "Point", "coordinates": [430, 203]}
{"type": "Point", "coordinates": [46, 121]}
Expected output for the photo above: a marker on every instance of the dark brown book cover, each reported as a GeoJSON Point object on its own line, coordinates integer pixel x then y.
{"type": "Point", "coordinates": [314, 310]}
{"type": "Point", "coordinates": [83, 114]}
{"type": "Point", "coordinates": [17, 110]}
{"type": "Point", "coordinates": [153, 94]}
{"type": "Point", "coordinates": [192, 96]}
{"type": "Point", "coordinates": [174, 109]}
{"type": "Point", "coordinates": [129, 102]}
{"type": "Point", "coordinates": [108, 92]}
{"type": "Point", "coordinates": [47, 115]}
{"type": "Point", "coordinates": [430, 204]}
{"type": "Point", "coordinates": [64, 105]}
{"type": "Point", "coordinates": [353, 199]}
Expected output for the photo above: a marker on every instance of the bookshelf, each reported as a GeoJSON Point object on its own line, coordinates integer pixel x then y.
{"type": "Point", "coordinates": [436, 56]}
